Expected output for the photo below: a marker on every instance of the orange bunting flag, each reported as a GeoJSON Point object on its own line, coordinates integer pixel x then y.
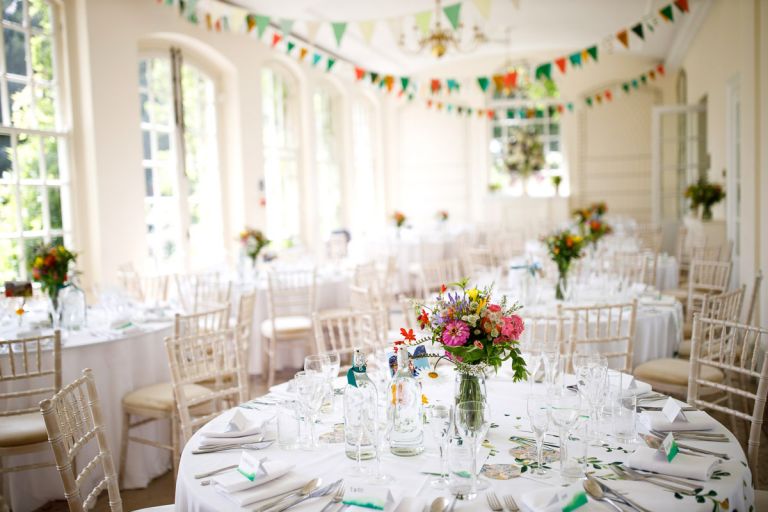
{"type": "Point", "coordinates": [599, 98]}
{"type": "Point", "coordinates": [560, 63]}
{"type": "Point", "coordinates": [652, 74]}
{"type": "Point", "coordinates": [660, 69]}
{"type": "Point", "coordinates": [208, 21]}
{"type": "Point", "coordinates": [584, 55]}
{"type": "Point", "coordinates": [498, 82]}
{"type": "Point", "coordinates": [510, 80]}
{"type": "Point", "coordinates": [623, 37]}
{"type": "Point", "coordinates": [359, 73]}
{"type": "Point", "coordinates": [530, 113]}
{"type": "Point", "coordinates": [303, 53]}
{"type": "Point", "coordinates": [608, 95]}
{"type": "Point", "coordinates": [439, 105]}
{"type": "Point", "coordinates": [560, 108]}
{"type": "Point", "coordinates": [480, 112]}
{"type": "Point", "coordinates": [389, 81]}
{"type": "Point", "coordinates": [434, 85]}
{"type": "Point", "coordinates": [276, 39]}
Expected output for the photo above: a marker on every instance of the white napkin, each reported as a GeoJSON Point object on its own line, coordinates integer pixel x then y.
{"type": "Point", "coordinates": [233, 481]}
{"type": "Point", "coordinates": [208, 442]}
{"type": "Point", "coordinates": [263, 492]}
{"type": "Point", "coordinates": [227, 425]}
{"type": "Point", "coordinates": [411, 504]}
{"type": "Point", "coordinates": [540, 499]}
{"type": "Point", "coordinates": [685, 466]}
{"type": "Point", "coordinates": [696, 420]}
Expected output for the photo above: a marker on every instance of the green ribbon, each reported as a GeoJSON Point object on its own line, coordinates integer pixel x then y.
{"type": "Point", "coordinates": [579, 500]}
{"type": "Point", "coordinates": [351, 380]}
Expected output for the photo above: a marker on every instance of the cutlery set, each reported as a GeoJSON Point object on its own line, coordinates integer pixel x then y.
{"type": "Point", "coordinates": [495, 504]}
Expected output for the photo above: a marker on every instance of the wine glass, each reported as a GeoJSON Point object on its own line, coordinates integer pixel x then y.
{"type": "Point", "coordinates": [538, 415]}
{"type": "Point", "coordinates": [382, 426]}
{"type": "Point", "coordinates": [564, 407]}
{"type": "Point", "coordinates": [550, 355]}
{"type": "Point", "coordinates": [531, 353]}
{"type": "Point", "coordinates": [321, 365]}
{"type": "Point", "coordinates": [310, 388]}
{"type": "Point", "coordinates": [440, 419]}
{"type": "Point", "coordinates": [334, 365]}
{"type": "Point", "coordinates": [473, 418]}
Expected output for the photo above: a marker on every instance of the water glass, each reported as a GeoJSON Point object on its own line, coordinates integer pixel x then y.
{"type": "Point", "coordinates": [473, 418]}
{"type": "Point", "coordinates": [625, 417]}
{"type": "Point", "coordinates": [461, 467]}
{"type": "Point", "coordinates": [321, 365]}
{"type": "Point", "coordinates": [577, 440]}
{"type": "Point", "coordinates": [288, 425]}
{"type": "Point", "coordinates": [310, 388]}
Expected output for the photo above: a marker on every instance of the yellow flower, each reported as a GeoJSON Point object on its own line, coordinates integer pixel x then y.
{"type": "Point", "coordinates": [424, 399]}
{"type": "Point", "coordinates": [20, 311]}
{"type": "Point", "coordinates": [432, 375]}
{"type": "Point", "coordinates": [473, 293]}
{"type": "Point", "coordinates": [38, 262]}
{"type": "Point", "coordinates": [481, 304]}
{"type": "Point", "coordinates": [577, 239]}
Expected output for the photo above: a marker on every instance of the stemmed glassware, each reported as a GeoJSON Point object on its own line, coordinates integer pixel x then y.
{"type": "Point", "coordinates": [440, 422]}
{"type": "Point", "coordinates": [593, 375]}
{"type": "Point", "coordinates": [538, 416]}
{"type": "Point", "coordinates": [564, 407]}
{"type": "Point", "coordinates": [473, 418]}
{"type": "Point", "coordinates": [310, 388]}
{"type": "Point", "coordinates": [322, 365]}
{"type": "Point", "coordinates": [550, 355]}
{"type": "Point", "coordinates": [382, 427]}
{"type": "Point", "coordinates": [533, 360]}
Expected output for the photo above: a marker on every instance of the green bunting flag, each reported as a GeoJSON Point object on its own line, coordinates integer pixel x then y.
{"type": "Point", "coordinates": [644, 79]}
{"type": "Point", "coordinates": [422, 21]}
{"type": "Point", "coordinates": [262, 22]}
{"type": "Point", "coordinates": [330, 64]}
{"type": "Point", "coordinates": [286, 26]}
{"type": "Point", "coordinates": [544, 71]}
{"type": "Point", "coordinates": [592, 51]}
{"type": "Point", "coordinates": [667, 13]}
{"type": "Point", "coordinates": [452, 85]}
{"type": "Point", "coordinates": [404, 81]}
{"type": "Point", "coordinates": [575, 59]}
{"type": "Point", "coordinates": [570, 107]}
{"type": "Point", "coordinates": [510, 113]}
{"type": "Point", "coordinates": [449, 107]}
{"type": "Point", "coordinates": [483, 82]}
{"type": "Point", "coordinates": [338, 31]}
{"type": "Point", "coordinates": [316, 59]}
{"type": "Point", "coordinates": [452, 13]}
{"type": "Point", "coordinates": [635, 85]}
{"type": "Point", "coordinates": [374, 76]}
{"type": "Point", "coordinates": [638, 30]}
{"type": "Point", "coordinates": [625, 86]}
{"type": "Point", "coordinates": [589, 101]}
{"type": "Point", "coordinates": [289, 48]}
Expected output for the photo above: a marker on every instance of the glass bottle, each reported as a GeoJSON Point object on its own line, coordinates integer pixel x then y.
{"type": "Point", "coordinates": [407, 437]}
{"type": "Point", "coordinates": [72, 304]}
{"type": "Point", "coordinates": [360, 401]}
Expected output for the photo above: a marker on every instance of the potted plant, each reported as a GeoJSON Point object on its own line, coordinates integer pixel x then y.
{"type": "Point", "coordinates": [705, 194]}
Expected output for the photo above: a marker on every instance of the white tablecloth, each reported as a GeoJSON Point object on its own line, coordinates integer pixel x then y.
{"type": "Point", "coordinates": [121, 364]}
{"type": "Point", "coordinates": [508, 409]}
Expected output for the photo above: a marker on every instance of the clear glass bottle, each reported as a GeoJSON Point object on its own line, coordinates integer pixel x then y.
{"type": "Point", "coordinates": [360, 401]}
{"type": "Point", "coordinates": [407, 437]}
{"type": "Point", "coordinates": [72, 304]}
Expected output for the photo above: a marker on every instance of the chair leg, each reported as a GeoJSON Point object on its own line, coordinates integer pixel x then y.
{"type": "Point", "coordinates": [272, 356]}
{"type": "Point", "coordinates": [265, 358]}
{"type": "Point", "coordinates": [124, 449]}
{"type": "Point", "coordinates": [175, 452]}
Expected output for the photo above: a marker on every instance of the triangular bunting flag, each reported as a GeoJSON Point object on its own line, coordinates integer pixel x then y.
{"type": "Point", "coordinates": [560, 63]}
{"type": "Point", "coordinates": [652, 75]}
{"type": "Point", "coordinates": [316, 59]}
{"type": "Point", "coordinates": [460, 110]}
{"type": "Point", "coordinates": [483, 82]}
{"type": "Point", "coordinates": [452, 12]}
{"type": "Point", "coordinates": [498, 82]}
{"type": "Point", "coordinates": [276, 39]}
{"type": "Point", "coordinates": [410, 97]}
{"type": "Point", "coordinates": [439, 105]}
{"type": "Point", "coordinates": [569, 107]}
{"type": "Point", "coordinates": [218, 25]}
{"type": "Point", "coordinates": [389, 80]}
{"type": "Point", "coordinates": [262, 22]}
{"type": "Point", "coordinates": [489, 113]}
{"type": "Point", "coordinates": [584, 55]}
{"type": "Point", "coordinates": [660, 69]}
{"type": "Point", "coordinates": [623, 38]}
{"type": "Point", "coordinates": [404, 81]}
{"type": "Point", "coordinates": [366, 29]}
{"type": "Point", "coordinates": [638, 30]}
{"type": "Point", "coordinates": [429, 103]}
{"type": "Point", "coordinates": [290, 47]}
{"type": "Point", "coordinates": [469, 111]}
{"type": "Point", "coordinates": [589, 101]}
{"type": "Point", "coordinates": [682, 5]}
{"type": "Point", "coordinates": [667, 13]}
{"type": "Point", "coordinates": [422, 21]}
{"type": "Point", "coordinates": [374, 76]}
{"type": "Point", "coordinates": [510, 80]}
{"type": "Point", "coordinates": [338, 31]}
{"type": "Point", "coordinates": [560, 108]}
{"type": "Point", "coordinates": [635, 84]}
{"type": "Point", "coordinates": [544, 70]}
{"type": "Point", "coordinates": [395, 27]}
{"type": "Point", "coordinates": [484, 6]}
{"type": "Point", "coordinates": [359, 73]}
{"type": "Point", "coordinates": [599, 98]}
{"type": "Point", "coordinates": [592, 51]}
{"type": "Point", "coordinates": [575, 59]}
{"type": "Point", "coordinates": [303, 53]}
{"type": "Point", "coordinates": [434, 85]}
{"type": "Point", "coordinates": [644, 79]}
{"type": "Point", "coordinates": [330, 64]}
{"type": "Point", "coordinates": [208, 21]}
{"type": "Point", "coordinates": [608, 95]}
{"type": "Point", "coordinates": [449, 107]}
{"type": "Point", "coordinates": [625, 86]}
{"type": "Point", "coordinates": [452, 84]}
{"type": "Point", "coordinates": [510, 113]}
{"type": "Point", "coordinates": [250, 21]}
{"type": "Point", "coordinates": [286, 26]}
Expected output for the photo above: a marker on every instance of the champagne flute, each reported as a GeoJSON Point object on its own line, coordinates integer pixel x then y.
{"type": "Point", "coordinates": [538, 416]}
{"type": "Point", "coordinates": [382, 428]}
{"type": "Point", "coordinates": [473, 418]}
{"type": "Point", "coordinates": [550, 355]}
{"type": "Point", "coordinates": [440, 420]}
{"type": "Point", "coordinates": [310, 388]}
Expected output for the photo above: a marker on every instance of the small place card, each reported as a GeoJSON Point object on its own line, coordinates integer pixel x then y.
{"type": "Point", "coordinates": [250, 467]}
{"type": "Point", "coordinates": [632, 384]}
{"type": "Point", "coordinates": [669, 448]}
{"type": "Point", "coordinates": [673, 411]}
{"type": "Point", "coordinates": [237, 422]}
{"type": "Point", "coordinates": [367, 496]}
{"type": "Point", "coordinates": [566, 500]}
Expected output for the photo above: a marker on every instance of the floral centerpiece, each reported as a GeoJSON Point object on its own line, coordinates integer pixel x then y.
{"type": "Point", "coordinates": [556, 181]}
{"type": "Point", "coordinates": [476, 333]}
{"type": "Point", "coordinates": [563, 247]}
{"type": "Point", "coordinates": [596, 229]}
{"type": "Point", "coordinates": [705, 194]}
{"type": "Point", "coordinates": [399, 219]}
{"type": "Point", "coordinates": [442, 215]}
{"type": "Point", "coordinates": [598, 209]}
{"type": "Point", "coordinates": [253, 241]}
{"type": "Point", "coordinates": [50, 264]}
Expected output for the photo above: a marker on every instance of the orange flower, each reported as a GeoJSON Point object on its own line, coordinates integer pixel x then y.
{"type": "Point", "coordinates": [407, 335]}
{"type": "Point", "coordinates": [569, 241]}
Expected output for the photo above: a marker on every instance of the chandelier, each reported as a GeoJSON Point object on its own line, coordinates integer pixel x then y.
{"type": "Point", "coordinates": [440, 38]}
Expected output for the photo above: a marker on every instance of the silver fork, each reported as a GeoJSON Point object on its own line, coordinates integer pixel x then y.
{"type": "Point", "coordinates": [493, 501]}
{"type": "Point", "coordinates": [336, 498]}
{"type": "Point", "coordinates": [509, 501]}
{"type": "Point", "coordinates": [675, 480]}
{"type": "Point", "coordinates": [658, 483]}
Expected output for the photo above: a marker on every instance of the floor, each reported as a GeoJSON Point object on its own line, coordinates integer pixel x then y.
{"type": "Point", "coordinates": [161, 490]}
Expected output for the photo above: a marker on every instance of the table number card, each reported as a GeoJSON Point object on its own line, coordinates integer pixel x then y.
{"type": "Point", "coordinates": [566, 500]}
{"type": "Point", "coordinates": [367, 496]}
{"type": "Point", "coordinates": [669, 448]}
{"type": "Point", "coordinates": [250, 467]}
{"type": "Point", "coordinates": [673, 411]}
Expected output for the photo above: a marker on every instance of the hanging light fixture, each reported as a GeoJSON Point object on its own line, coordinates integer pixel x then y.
{"type": "Point", "coordinates": [439, 38]}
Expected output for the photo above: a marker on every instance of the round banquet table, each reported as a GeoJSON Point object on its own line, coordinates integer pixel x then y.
{"type": "Point", "coordinates": [508, 415]}
{"type": "Point", "coordinates": [122, 361]}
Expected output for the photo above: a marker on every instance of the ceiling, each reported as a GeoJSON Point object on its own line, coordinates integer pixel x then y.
{"type": "Point", "coordinates": [534, 28]}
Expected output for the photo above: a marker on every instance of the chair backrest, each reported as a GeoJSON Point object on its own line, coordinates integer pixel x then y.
{"type": "Point", "coordinates": [366, 276]}
{"type": "Point", "coordinates": [291, 292]}
{"type": "Point", "coordinates": [200, 291]}
{"type": "Point", "coordinates": [27, 360]}
{"type": "Point", "coordinates": [246, 308]}
{"type": "Point", "coordinates": [753, 297]}
{"type": "Point", "coordinates": [607, 329]}
{"type": "Point", "coordinates": [738, 350]}
{"type": "Point", "coordinates": [506, 246]}
{"type": "Point", "coordinates": [724, 306]}
{"type": "Point", "coordinates": [650, 236]}
{"type": "Point", "coordinates": [343, 331]}
{"type": "Point", "coordinates": [706, 277]}
{"type": "Point", "coordinates": [366, 300]}
{"type": "Point", "coordinates": [437, 273]}
{"type": "Point", "coordinates": [73, 419]}
{"type": "Point", "coordinates": [205, 321]}
{"type": "Point", "coordinates": [337, 246]}
{"type": "Point", "coordinates": [478, 260]}
{"type": "Point", "coordinates": [711, 253]}
{"type": "Point", "coordinates": [542, 330]}
{"type": "Point", "coordinates": [144, 288]}
{"type": "Point", "coordinates": [202, 358]}
{"type": "Point", "coordinates": [631, 266]}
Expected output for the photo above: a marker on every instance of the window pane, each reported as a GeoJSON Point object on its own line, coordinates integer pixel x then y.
{"type": "Point", "coordinates": [30, 247]}
{"type": "Point", "coordinates": [146, 145]}
{"type": "Point", "coordinates": [143, 73]}
{"type": "Point", "coordinates": [44, 103]}
{"type": "Point", "coordinates": [8, 222]}
{"type": "Point", "coordinates": [21, 104]}
{"type": "Point", "coordinates": [13, 10]}
{"type": "Point", "coordinates": [31, 208]}
{"type": "Point", "coordinates": [6, 167]}
{"type": "Point", "coordinates": [15, 52]}
{"type": "Point", "coordinates": [144, 105]}
{"type": "Point", "coordinates": [40, 14]}
{"type": "Point", "coordinates": [42, 61]}
{"type": "Point", "coordinates": [28, 154]}
{"type": "Point", "coordinates": [148, 185]}
{"type": "Point", "coordinates": [51, 151]}
{"type": "Point", "coordinates": [9, 260]}
{"type": "Point", "coordinates": [163, 143]}
{"type": "Point", "coordinates": [54, 207]}
{"type": "Point", "coordinates": [329, 185]}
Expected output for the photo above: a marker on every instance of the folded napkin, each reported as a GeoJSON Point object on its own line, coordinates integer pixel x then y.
{"type": "Point", "coordinates": [695, 420]}
{"type": "Point", "coordinates": [547, 499]}
{"type": "Point", "coordinates": [685, 466]}
{"type": "Point", "coordinates": [262, 492]}
{"type": "Point", "coordinates": [236, 424]}
{"type": "Point", "coordinates": [234, 481]}
{"type": "Point", "coordinates": [411, 504]}
{"type": "Point", "coordinates": [210, 442]}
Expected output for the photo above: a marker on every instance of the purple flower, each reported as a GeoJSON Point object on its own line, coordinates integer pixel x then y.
{"type": "Point", "coordinates": [456, 333]}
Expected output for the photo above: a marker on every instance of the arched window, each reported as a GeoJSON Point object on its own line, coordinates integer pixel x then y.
{"type": "Point", "coordinates": [326, 107]}
{"type": "Point", "coordinates": [34, 180]}
{"type": "Point", "coordinates": [180, 161]}
{"type": "Point", "coordinates": [281, 155]}
{"type": "Point", "coordinates": [364, 166]}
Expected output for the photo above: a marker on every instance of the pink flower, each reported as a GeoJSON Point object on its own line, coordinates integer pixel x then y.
{"type": "Point", "coordinates": [454, 357]}
{"type": "Point", "coordinates": [455, 333]}
{"type": "Point", "coordinates": [494, 308]}
{"type": "Point", "coordinates": [513, 327]}
{"type": "Point", "coordinates": [478, 345]}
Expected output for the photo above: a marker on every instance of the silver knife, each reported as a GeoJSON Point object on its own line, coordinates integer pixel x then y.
{"type": "Point", "coordinates": [626, 500]}
{"type": "Point", "coordinates": [315, 494]}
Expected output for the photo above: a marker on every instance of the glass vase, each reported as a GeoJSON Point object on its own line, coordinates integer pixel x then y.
{"type": "Point", "coordinates": [54, 311]}
{"type": "Point", "coordinates": [706, 212]}
{"type": "Point", "coordinates": [562, 285]}
{"type": "Point", "coordinates": [470, 387]}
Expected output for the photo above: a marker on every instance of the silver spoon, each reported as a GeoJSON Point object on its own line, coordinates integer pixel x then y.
{"type": "Point", "coordinates": [655, 443]}
{"type": "Point", "coordinates": [596, 492]}
{"type": "Point", "coordinates": [686, 448]}
{"type": "Point", "coordinates": [438, 505]}
{"type": "Point", "coordinates": [306, 490]}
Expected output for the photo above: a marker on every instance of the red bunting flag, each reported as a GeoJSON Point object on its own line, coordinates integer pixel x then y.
{"type": "Point", "coordinates": [510, 80]}
{"type": "Point", "coordinates": [276, 37]}
{"type": "Point", "coordinates": [434, 85]}
{"type": "Point", "coordinates": [608, 95]}
{"type": "Point", "coordinates": [218, 25]}
{"type": "Point", "coordinates": [660, 69]}
{"type": "Point", "coordinates": [560, 109]}
{"type": "Point", "coordinates": [490, 114]}
{"type": "Point", "coordinates": [400, 93]}
{"type": "Point", "coordinates": [359, 73]}
{"type": "Point", "coordinates": [623, 37]}
{"type": "Point", "coordinates": [560, 63]}
{"type": "Point", "coordinates": [429, 103]}
{"type": "Point", "coordinates": [682, 5]}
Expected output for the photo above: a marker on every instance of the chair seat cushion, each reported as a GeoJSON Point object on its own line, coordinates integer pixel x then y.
{"type": "Point", "coordinates": [674, 372]}
{"type": "Point", "coordinates": [680, 294]}
{"type": "Point", "coordinates": [687, 331]}
{"type": "Point", "coordinates": [287, 326]}
{"type": "Point", "coordinates": [160, 396]}
{"type": "Point", "coordinates": [22, 429]}
{"type": "Point", "coordinates": [684, 350]}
